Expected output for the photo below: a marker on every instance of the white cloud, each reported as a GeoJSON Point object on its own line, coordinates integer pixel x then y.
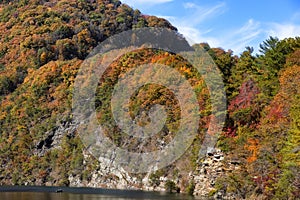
{"type": "Point", "coordinates": [284, 30]}
{"type": "Point", "coordinates": [200, 13]}
{"type": "Point", "coordinates": [189, 5]}
{"type": "Point", "coordinates": [238, 39]}
{"type": "Point", "coordinates": [136, 3]}
{"type": "Point", "coordinates": [189, 25]}
{"type": "Point", "coordinates": [254, 31]}
{"type": "Point", "coordinates": [194, 35]}
{"type": "Point", "coordinates": [194, 28]}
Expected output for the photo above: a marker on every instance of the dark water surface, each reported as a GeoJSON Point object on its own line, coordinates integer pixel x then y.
{"type": "Point", "coordinates": [50, 193]}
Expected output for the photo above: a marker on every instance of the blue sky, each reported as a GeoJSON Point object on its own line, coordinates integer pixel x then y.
{"type": "Point", "coordinates": [230, 24]}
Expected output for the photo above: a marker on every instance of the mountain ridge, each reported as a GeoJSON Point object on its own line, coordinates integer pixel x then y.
{"type": "Point", "coordinates": [42, 47]}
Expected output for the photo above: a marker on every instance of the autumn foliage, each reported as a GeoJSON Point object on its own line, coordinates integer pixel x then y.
{"type": "Point", "coordinates": [42, 46]}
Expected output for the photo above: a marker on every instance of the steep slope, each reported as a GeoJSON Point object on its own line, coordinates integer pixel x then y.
{"type": "Point", "coordinates": [36, 32]}
{"type": "Point", "coordinates": [42, 48]}
{"type": "Point", "coordinates": [43, 45]}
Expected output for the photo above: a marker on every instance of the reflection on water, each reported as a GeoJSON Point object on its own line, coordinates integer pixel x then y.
{"type": "Point", "coordinates": [46, 193]}
{"type": "Point", "coordinates": [57, 196]}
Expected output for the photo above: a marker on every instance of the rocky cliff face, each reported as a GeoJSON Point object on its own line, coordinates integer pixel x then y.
{"type": "Point", "coordinates": [105, 175]}
{"type": "Point", "coordinates": [43, 44]}
{"type": "Point", "coordinates": [214, 166]}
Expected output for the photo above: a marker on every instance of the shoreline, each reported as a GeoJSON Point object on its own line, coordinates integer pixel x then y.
{"type": "Point", "coordinates": [87, 190]}
{"type": "Point", "coordinates": [81, 190]}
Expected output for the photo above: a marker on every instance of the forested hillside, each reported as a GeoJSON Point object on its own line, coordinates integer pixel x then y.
{"type": "Point", "coordinates": [262, 128]}
{"type": "Point", "coordinates": [44, 43]}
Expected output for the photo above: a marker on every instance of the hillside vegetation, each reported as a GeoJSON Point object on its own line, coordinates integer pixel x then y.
{"type": "Point", "coordinates": [44, 43]}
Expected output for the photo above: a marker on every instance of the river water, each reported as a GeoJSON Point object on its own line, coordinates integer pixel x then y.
{"type": "Point", "coordinates": [52, 193]}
